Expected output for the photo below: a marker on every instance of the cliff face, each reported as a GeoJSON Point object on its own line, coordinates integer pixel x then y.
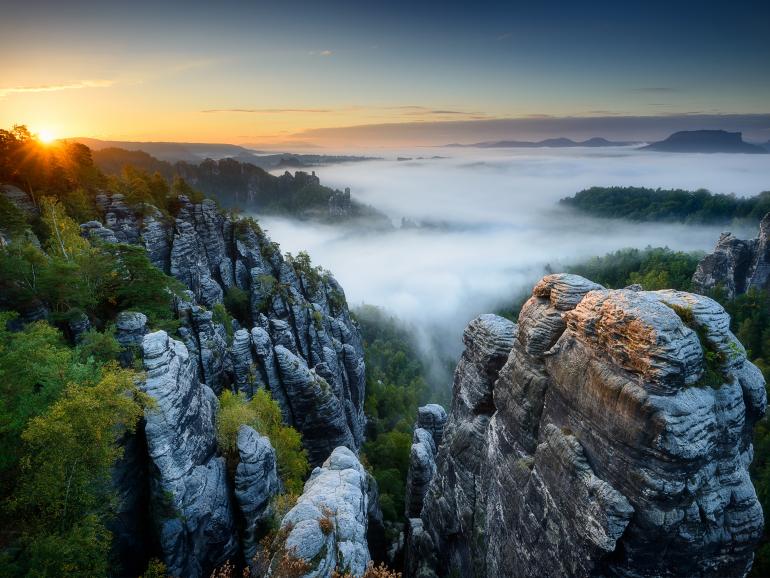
{"type": "Point", "coordinates": [737, 265]}
{"type": "Point", "coordinates": [301, 345]}
{"type": "Point", "coordinates": [608, 433]}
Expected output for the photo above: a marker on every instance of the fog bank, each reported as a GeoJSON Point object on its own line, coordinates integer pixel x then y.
{"type": "Point", "coordinates": [500, 224]}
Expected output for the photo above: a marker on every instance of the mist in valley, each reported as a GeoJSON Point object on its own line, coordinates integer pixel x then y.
{"type": "Point", "coordinates": [492, 226]}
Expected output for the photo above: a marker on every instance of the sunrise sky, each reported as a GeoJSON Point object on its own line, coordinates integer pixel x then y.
{"type": "Point", "coordinates": [293, 73]}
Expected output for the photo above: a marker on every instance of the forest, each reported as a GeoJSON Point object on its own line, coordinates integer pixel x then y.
{"type": "Point", "coordinates": [668, 205]}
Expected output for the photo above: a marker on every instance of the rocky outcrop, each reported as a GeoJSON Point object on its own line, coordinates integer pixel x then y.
{"type": "Point", "coordinates": [422, 468]}
{"type": "Point", "coordinates": [294, 307]}
{"type": "Point", "coordinates": [130, 329]}
{"type": "Point", "coordinates": [328, 525]}
{"type": "Point", "coordinates": [189, 491]}
{"type": "Point", "coordinates": [427, 437]}
{"type": "Point", "coordinates": [736, 265]}
{"type": "Point", "coordinates": [450, 507]}
{"type": "Point", "coordinates": [256, 483]}
{"type": "Point", "coordinates": [614, 440]}
{"type": "Point", "coordinates": [318, 413]}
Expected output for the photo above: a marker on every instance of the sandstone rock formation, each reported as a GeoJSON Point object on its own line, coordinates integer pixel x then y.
{"type": "Point", "coordinates": [256, 483]}
{"type": "Point", "coordinates": [328, 525]}
{"type": "Point", "coordinates": [609, 433]}
{"type": "Point", "coordinates": [189, 491]}
{"type": "Point", "coordinates": [427, 437]}
{"type": "Point", "coordinates": [737, 265]}
{"type": "Point", "coordinates": [317, 376]}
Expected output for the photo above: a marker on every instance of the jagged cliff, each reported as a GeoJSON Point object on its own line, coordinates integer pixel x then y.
{"type": "Point", "coordinates": [737, 265]}
{"type": "Point", "coordinates": [302, 345]}
{"type": "Point", "coordinates": [608, 433]}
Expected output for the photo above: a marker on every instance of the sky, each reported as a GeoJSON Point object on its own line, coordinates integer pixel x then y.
{"type": "Point", "coordinates": [302, 73]}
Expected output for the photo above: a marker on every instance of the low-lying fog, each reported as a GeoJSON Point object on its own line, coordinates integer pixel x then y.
{"type": "Point", "coordinates": [501, 224]}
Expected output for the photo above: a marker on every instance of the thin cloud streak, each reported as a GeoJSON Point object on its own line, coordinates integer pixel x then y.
{"type": "Point", "coordinates": [56, 87]}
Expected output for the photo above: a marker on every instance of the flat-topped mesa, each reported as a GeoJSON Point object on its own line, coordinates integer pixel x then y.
{"type": "Point", "coordinates": [619, 444]}
{"type": "Point", "coordinates": [736, 265]}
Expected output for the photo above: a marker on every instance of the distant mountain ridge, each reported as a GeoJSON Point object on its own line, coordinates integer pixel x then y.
{"type": "Point", "coordinates": [706, 141]}
{"type": "Point", "coordinates": [173, 152]}
{"type": "Point", "coordinates": [547, 143]}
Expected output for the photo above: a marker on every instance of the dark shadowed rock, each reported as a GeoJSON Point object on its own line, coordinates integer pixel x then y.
{"type": "Point", "coordinates": [318, 413]}
{"type": "Point", "coordinates": [256, 483]}
{"type": "Point", "coordinates": [736, 265]}
{"type": "Point", "coordinates": [602, 454]}
{"type": "Point", "coordinates": [189, 490]}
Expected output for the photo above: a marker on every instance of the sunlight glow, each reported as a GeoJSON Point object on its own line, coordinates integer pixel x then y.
{"type": "Point", "coordinates": [45, 136]}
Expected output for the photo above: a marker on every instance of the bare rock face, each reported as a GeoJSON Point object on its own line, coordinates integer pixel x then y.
{"type": "Point", "coordinates": [256, 483]}
{"type": "Point", "coordinates": [318, 413]}
{"type": "Point", "coordinates": [422, 468]}
{"type": "Point", "coordinates": [737, 265]}
{"type": "Point", "coordinates": [328, 525]}
{"type": "Point", "coordinates": [189, 491]}
{"type": "Point", "coordinates": [613, 446]}
{"type": "Point", "coordinates": [301, 311]}
{"type": "Point", "coordinates": [450, 505]}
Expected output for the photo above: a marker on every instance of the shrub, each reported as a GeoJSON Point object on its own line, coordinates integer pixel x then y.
{"type": "Point", "coordinates": [263, 414]}
{"type": "Point", "coordinates": [237, 304]}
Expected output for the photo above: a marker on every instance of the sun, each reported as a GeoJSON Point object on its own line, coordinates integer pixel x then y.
{"type": "Point", "coordinates": [45, 136]}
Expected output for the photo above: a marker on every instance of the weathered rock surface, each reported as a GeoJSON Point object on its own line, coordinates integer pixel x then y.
{"type": "Point", "coordinates": [256, 483]}
{"type": "Point", "coordinates": [328, 525]}
{"type": "Point", "coordinates": [599, 451]}
{"type": "Point", "coordinates": [301, 311]}
{"type": "Point", "coordinates": [737, 265]}
{"type": "Point", "coordinates": [318, 413]}
{"type": "Point", "coordinates": [130, 329]}
{"type": "Point", "coordinates": [422, 468]}
{"type": "Point", "coordinates": [450, 506]}
{"type": "Point", "coordinates": [189, 490]}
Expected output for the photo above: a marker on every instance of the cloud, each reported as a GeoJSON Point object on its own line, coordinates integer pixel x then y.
{"type": "Point", "coordinates": [404, 110]}
{"type": "Point", "coordinates": [535, 127]}
{"type": "Point", "coordinates": [504, 36]}
{"type": "Point", "coordinates": [56, 87]}
{"type": "Point", "coordinates": [321, 52]}
{"type": "Point", "coordinates": [498, 224]}
{"type": "Point", "coordinates": [272, 110]}
{"type": "Point", "coordinates": [655, 89]}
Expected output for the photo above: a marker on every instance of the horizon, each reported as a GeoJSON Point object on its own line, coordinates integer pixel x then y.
{"type": "Point", "coordinates": [301, 76]}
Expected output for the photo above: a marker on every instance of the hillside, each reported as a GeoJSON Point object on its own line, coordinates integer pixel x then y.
{"type": "Point", "coordinates": [245, 186]}
{"type": "Point", "coordinates": [547, 143]}
{"type": "Point", "coordinates": [668, 205]}
{"type": "Point", "coordinates": [705, 141]}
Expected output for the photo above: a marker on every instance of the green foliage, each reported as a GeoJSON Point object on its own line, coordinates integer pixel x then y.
{"type": "Point", "coordinates": [237, 305]}
{"type": "Point", "coordinates": [35, 366]}
{"type": "Point", "coordinates": [221, 316]}
{"type": "Point", "coordinates": [12, 220]}
{"type": "Point", "coordinates": [652, 268]}
{"type": "Point", "coordinates": [64, 495]}
{"type": "Point", "coordinates": [263, 414]}
{"type": "Point", "coordinates": [395, 387]}
{"type": "Point", "coordinates": [311, 275]}
{"type": "Point", "coordinates": [388, 455]}
{"type": "Point", "coordinates": [135, 283]}
{"type": "Point", "coordinates": [642, 204]}
{"type": "Point", "coordinates": [97, 346]}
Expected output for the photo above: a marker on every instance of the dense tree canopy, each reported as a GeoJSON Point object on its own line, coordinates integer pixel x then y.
{"type": "Point", "coordinates": [677, 205]}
